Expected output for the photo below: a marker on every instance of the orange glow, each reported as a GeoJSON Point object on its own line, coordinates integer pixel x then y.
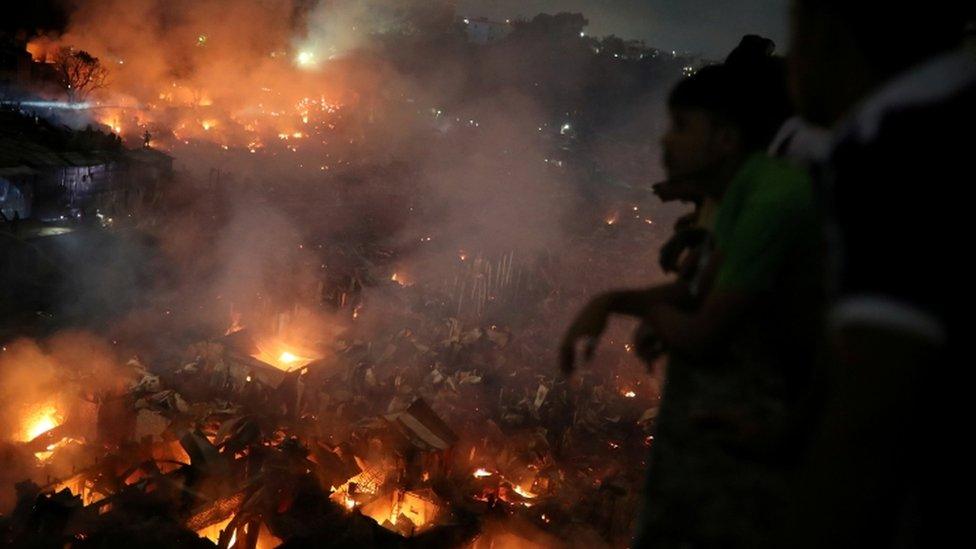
{"type": "Point", "coordinates": [42, 49]}
{"type": "Point", "coordinates": [235, 324]}
{"type": "Point", "coordinates": [283, 356]}
{"type": "Point", "coordinates": [630, 394]}
{"type": "Point", "coordinates": [51, 448]}
{"type": "Point", "coordinates": [367, 482]}
{"type": "Point", "coordinates": [38, 421]}
{"type": "Point", "coordinates": [482, 473]}
{"type": "Point", "coordinates": [417, 507]}
{"type": "Point", "coordinates": [79, 486]}
{"type": "Point", "coordinates": [232, 103]}
{"type": "Point", "coordinates": [266, 540]}
{"type": "Point", "coordinates": [401, 279]}
{"type": "Point", "coordinates": [113, 123]}
{"type": "Point", "coordinates": [213, 531]}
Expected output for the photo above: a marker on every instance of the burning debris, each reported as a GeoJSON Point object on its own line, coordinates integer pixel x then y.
{"type": "Point", "coordinates": [425, 432]}
{"type": "Point", "coordinates": [385, 376]}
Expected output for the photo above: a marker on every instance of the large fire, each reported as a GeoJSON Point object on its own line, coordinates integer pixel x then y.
{"type": "Point", "coordinates": [221, 87]}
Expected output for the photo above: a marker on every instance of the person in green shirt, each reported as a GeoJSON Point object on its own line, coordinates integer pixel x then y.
{"type": "Point", "coordinates": [739, 334]}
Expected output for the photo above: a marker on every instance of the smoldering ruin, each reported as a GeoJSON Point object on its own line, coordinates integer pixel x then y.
{"type": "Point", "coordinates": [295, 274]}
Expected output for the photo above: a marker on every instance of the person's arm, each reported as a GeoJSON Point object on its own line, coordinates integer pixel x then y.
{"type": "Point", "coordinates": [590, 323]}
{"type": "Point", "coordinates": [635, 303]}
{"type": "Point", "coordinates": [702, 332]}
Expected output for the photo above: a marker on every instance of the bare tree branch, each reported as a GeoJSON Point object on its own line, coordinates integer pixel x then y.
{"type": "Point", "coordinates": [79, 73]}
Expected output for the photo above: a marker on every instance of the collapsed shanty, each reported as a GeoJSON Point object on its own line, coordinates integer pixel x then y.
{"type": "Point", "coordinates": [432, 429]}
{"type": "Point", "coordinates": [425, 432]}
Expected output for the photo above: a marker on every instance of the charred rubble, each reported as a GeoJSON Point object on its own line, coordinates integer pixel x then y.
{"type": "Point", "coordinates": [431, 432]}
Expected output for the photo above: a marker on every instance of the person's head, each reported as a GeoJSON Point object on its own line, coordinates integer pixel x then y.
{"type": "Point", "coordinates": [701, 136]}
{"type": "Point", "coordinates": [842, 49]}
{"type": "Point", "coordinates": [725, 112]}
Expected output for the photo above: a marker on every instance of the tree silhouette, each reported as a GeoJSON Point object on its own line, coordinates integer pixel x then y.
{"type": "Point", "coordinates": [79, 73]}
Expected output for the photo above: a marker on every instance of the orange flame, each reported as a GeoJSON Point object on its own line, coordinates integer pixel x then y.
{"type": "Point", "coordinates": [38, 421]}
{"type": "Point", "coordinates": [283, 356]}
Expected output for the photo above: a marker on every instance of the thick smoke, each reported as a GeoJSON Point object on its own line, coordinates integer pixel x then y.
{"type": "Point", "coordinates": [317, 144]}
{"type": "Point", "coordinates": [337, 27]}
{"type": "Point", "coordinates": [299, 128]}
{"type": "Point", "coordinates": [325, 124]}
{"type": "Point", "coordinates": [48, 384]}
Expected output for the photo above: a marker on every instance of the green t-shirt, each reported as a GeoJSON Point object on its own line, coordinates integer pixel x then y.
{"type": "Point", "coordinates": [765, 229]}
{"type": "Point", "coordinates": [727, 420]}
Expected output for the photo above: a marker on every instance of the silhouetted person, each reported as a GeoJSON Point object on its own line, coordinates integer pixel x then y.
{"type": "Point", "coordinates": [146, 139]}
{"type": "Point", "coordinates": [739, 333]}
{"type": "Point", "coordinates": [887, 465]}
{"type": "Point", "coordinates": [769, 115]}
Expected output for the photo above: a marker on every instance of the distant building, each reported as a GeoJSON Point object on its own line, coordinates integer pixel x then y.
{"type": "Point", "coordinates": [15, 65]}
{"type": "Point", "coordinates": [20, 74]}
{"type": "Point", "coordinates": [483, 31]}
{"type": "Point", "coordinates": [48, 171]}
{"type": "Point", "coordinates": [635, 49]}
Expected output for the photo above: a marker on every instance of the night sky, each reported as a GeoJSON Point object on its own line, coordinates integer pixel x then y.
{"type": "Point", "coordinates": [708, 27]}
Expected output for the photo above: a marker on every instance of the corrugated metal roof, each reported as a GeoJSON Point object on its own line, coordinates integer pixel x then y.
{"type": "Point", "coordinates": [143, 154]}
{"type": "Point", "coordinates": [15, 171]}
{"type": "Point", "coordinates": [82, 159]}
{"type": "Point", "coordinates": [14, 152]}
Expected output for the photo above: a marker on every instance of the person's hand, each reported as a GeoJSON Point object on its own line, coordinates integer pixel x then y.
{"type": "Point", "coordinates": [678, 246]}
{"type": "Point", "coordinates": [647, 346]}
{"type": "Point", "coordinates": [588, 327]}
